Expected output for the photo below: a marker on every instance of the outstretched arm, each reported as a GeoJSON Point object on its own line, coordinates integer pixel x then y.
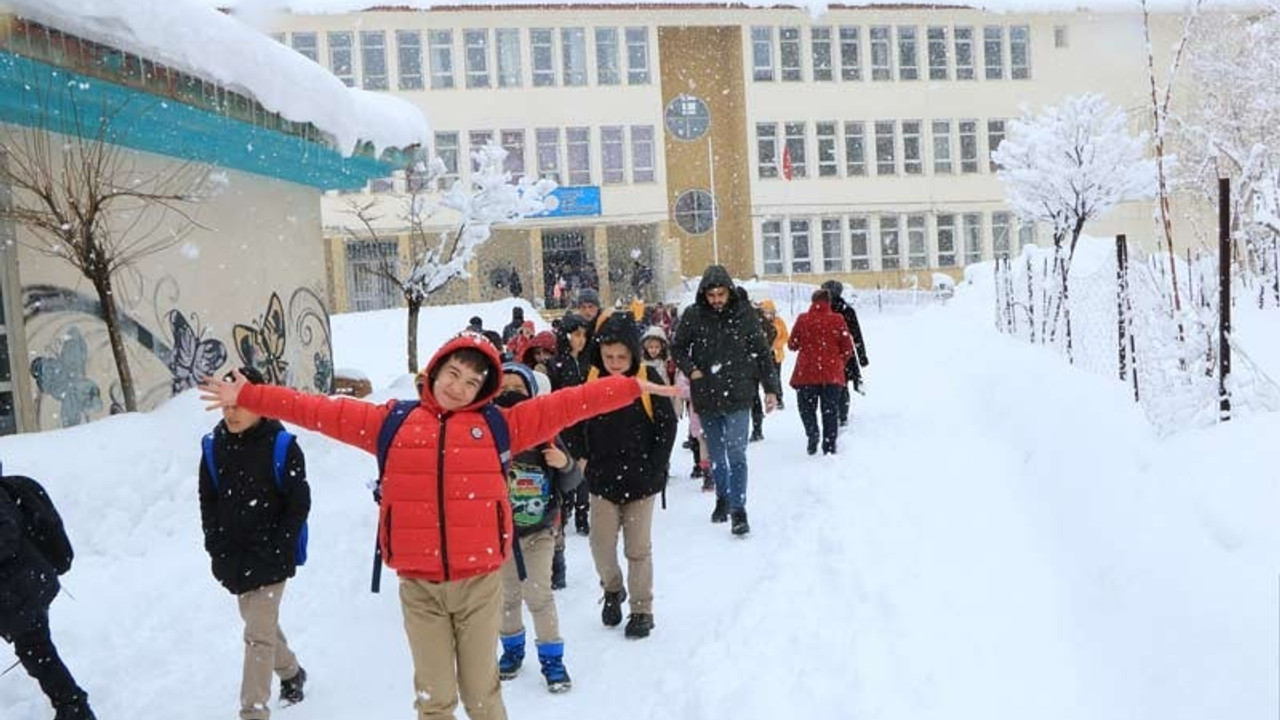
{"type": "Point", "coordinates": [536, 421]}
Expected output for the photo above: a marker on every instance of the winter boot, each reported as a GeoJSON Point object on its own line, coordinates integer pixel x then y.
{"type": "Point", "coordinates": [581, 522]}
{"type": "Point", "coordinates": [611, 615]}
{"type": "Point", "coordinates": [74, 711]}
{"type": "Point", "coordinates": [551, 656]}
{"type": "Point", "coordinates": [557, 571]}
{"type": "Point", "coordinates": [740, 526]}
{"type": "Point", "coordinates": [512, 656]}
{"type": "Point", "coordinates": [291, 689]}
{"type": "Point", "coordinates": [708, 484]}
{"type": "Point", "coordinates": [638, 626]}
{"type": "Point", "coordinates": [813, 446]}
{"type": "Point", "coordinates": [721, 513]}
{"type": "Point", "coordinates": [757, 434]}
{"type": "Point", "coordinates": [697, 472]}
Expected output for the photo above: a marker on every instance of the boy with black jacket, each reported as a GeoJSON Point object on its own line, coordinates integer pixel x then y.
{"type": "Point", "coordinates": [252, 522]}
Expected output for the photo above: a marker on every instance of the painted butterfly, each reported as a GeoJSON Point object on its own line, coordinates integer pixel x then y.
{"type": "Point", "coordinates": [262, 347]}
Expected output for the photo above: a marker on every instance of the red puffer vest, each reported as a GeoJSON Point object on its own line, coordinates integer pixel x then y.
{"type": "Point", "coordinates": [823, 344]}
{"type": "Point", "coordinates": [445, 514]}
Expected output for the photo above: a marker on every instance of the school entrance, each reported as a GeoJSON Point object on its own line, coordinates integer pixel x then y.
{"type": "Point", "coordinates": [568, 266]}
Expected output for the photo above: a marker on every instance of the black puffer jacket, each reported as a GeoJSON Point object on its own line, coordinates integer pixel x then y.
{"type": "Point", "coordinates": [250, 527]}
{"type": "Point", "coordinates": [28, 583]}
{"type": "Point", "coordinates": [857, 361]}
{"type": "Point", "coordinates": [728, 346]}
{"type": "Point", "coordinates": [627, 452]}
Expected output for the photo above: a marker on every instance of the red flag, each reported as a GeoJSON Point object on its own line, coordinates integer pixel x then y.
{"type": "Point", "coordinates": [786, 162]}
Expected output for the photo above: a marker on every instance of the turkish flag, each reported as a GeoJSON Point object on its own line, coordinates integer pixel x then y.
{"type": "Point", "coordinates": [786, 162]}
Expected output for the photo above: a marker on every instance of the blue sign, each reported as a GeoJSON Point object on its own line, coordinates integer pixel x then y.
{"type": "Point", "coordinates": [575, 201]}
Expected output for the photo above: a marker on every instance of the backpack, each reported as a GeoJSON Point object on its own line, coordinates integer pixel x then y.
{"type": "Point", "coordinates": [387, 433]}
{"type": "Point", "coordinates": [279, 455]}
{"type": "Point", "coordinates": [42, 525]}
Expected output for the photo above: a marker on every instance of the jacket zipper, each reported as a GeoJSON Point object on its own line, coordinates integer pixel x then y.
{"type": "Point", "coordinates": [440, 499]}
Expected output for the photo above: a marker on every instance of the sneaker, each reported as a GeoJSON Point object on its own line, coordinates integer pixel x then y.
{"type": "Point", "coordinates": [721, 513]}
{"type": "Point", "coordinates": [291, 689]}
{"type": "Point", "coordinates": [638, 626]}
{"type": "Point", "coordinates": [580, 521]}
{"type": "Point", "coordinates": [740, 526]}
{"type": "Point", "coordinates": [611, 615]}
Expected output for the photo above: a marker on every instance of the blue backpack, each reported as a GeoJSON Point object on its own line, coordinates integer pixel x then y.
{"type": "Point", "coordinates": [279, 454]}
{"type": "Point", "coordinates": [391, 425]}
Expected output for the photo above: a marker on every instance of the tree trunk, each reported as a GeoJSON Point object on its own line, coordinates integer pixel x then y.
{"type": "Point", "coordinates": [106, 298]}
{"type": "Point", "coordinates": [414, 307]}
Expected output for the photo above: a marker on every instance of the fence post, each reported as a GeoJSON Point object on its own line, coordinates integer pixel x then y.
{"type": "Point", "coordinates": [1031, 300]}
{"type": "Point", "coordinates": [999, 299]}
{"type": "Point", "coordinates": [1121, 291]}
{"type": "Point", "coordinates": [1224, 297]}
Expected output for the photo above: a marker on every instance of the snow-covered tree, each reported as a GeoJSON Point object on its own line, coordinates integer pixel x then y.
{"type": "Point", "coordinates": [491, 199]}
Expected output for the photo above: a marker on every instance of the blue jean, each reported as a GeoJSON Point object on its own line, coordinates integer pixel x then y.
{"type": "Point", "coordinates": [727, 444]}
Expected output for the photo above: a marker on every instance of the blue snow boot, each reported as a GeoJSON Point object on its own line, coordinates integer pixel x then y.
{"type": "Point", "coordinates": [512, 656]}
{"type": "Point", "coordinates": [551, 655]}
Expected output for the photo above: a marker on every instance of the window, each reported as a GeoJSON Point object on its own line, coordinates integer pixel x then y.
{"type": "Point", "coordinates": [368, 284]}
{"type": "Point", "coordinates": [968, 146]}
{"type": "Point", "coordinates": [637, 56]}
{"type": "Point", "coordinates": [476, 54]}
{"type": "Point", "coordinates": [820, 54]}
{"type": "Point", "coordinates": [859, 246]}
{"type": "Point", "coordinates": [573, 55]}
{"type": "Point", "coordinates": [1020, 52]}
{"type": "Point", "coordinates": [762, 54]}
{"type": "Point", "coordinates": [801, 253]}
{"type": "Point", "coordinates": [890, 244]}
{"type": "Point", "coordinates": [542, 45]}
{"type": "Point", "coordinates": [340, 57]}
{"type": "Point", "coordinates": [612, 154]}
{"type": "Point", "coordinates": [942, 147]}
{"type": "Point", "coordinates": [993, 51]}
{"type": "Point", "coordinates": [578, 140]}
{"type": "Point", "coordinates": [642, 161]}
{"type": "Point", "coordinates": [447, 151]}
{"type": "Point", "coordinates": [946, 240]}
{"type": "Point", "coordinates": [608, 71]}
{"type": "Point", "coordinates": [972, 238]}
{"type": "Point", "coordinates": [794, 133]}
{"type": "Point", "coordinates": [417, 177]}
{"type": "Point", "coordinates": [1026, 233]}
{"type": "Point", "coordinates": [409, 54]}
{"type": "Point", "coordinates": [478, 139]}
{"type": "Point", "coordinates": [1059, 36]}
{"type": "Point", "coordinates": [855, 148]}
{"type": "Point", "coordinates": [513, 143]}
{"type": "Point", "coordinates": [548, 142]}
{"type": "Point", "coordinates": [688, 117]}
{"type": "Point", "coordinates": [832, 245]}
{"type": "Point", "coordinates": [964, 53]}
{"type": "Point", "coordinates": [881, 68]}
{"type": "Point", "coordinates": [828, 162]}
{"type": "Point", "coordinates": [695, 211]}
{"type": "Point", "coordinates": [937, 37]}
{"type": "Point", "coordinates": [440, 46]}
{"type": "Point", "coordinates": [771, 244]}
{"type": "Point", "coordinates": [850, 53]}
{"type": "Point", "coordinates": [912, 152]}
{"type": "Point", "coordinates": [373, 59]}
{"type": "Point", "coordinates": [908, 55]}
{"type": "Point", "coordinates": [789, 42]}
{"type": "Point", "coordinates": [917, 246]}
{"type": "Point", "coordinates": [1000, 234]}
{"type": "Point", "coordinates": [886, 162]}
{"type": "Point", "coordinates": [509, 64]}
{"type": "Point", "coordinates": [305, 43]}
{"type": "Point", "coordinates": [995, 136]}
{"type": "Point", "coordinates": [767, 150]}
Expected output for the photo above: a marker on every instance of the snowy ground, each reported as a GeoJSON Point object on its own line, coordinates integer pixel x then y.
{"type": "Point", "coordinates": [1000, 537]}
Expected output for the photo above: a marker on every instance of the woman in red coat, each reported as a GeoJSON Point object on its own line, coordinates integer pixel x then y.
{"type": "Point", "coordinates": [822, 341]}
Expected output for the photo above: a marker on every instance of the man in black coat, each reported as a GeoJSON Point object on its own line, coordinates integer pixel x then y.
{"type": "Point", "coordinates": [28, 584]}
{"type": "Point", "coordinates": [720, 346]}
{"type": "Point", "coordinates": [513, 327]}
{"type": "Point", "coordinates": [852, 369]}
{"type": "Point", "coordinates": [251, 528]}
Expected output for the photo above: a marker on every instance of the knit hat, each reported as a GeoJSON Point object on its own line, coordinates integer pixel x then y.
{"type": "Point", "coordinates": [587, 296]}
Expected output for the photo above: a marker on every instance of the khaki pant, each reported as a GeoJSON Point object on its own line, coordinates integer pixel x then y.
{"type": "Point", "coordinates": [537, 550]}
{"type": "Point", "coordinates": [453, 633]}
{"type": "Point", "coordinates": [265, 650]}
{"type": "Point", "coordinates": [635, 520]}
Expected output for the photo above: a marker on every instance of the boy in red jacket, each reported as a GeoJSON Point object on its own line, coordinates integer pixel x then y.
{"type": "Point", "coordinates": [444, 518]}
{"type": "Point", "coordinates": [824, 346]}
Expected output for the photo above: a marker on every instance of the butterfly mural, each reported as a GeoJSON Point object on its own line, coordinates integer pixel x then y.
{"type": "Point", "coordinates": [62, 376]}
{"type": "Point", "coordinates": [324, 373]}
{"type": "Point", "coordinates": [262, 345]}
{"type": "Point", "coordinates": [194, 356]}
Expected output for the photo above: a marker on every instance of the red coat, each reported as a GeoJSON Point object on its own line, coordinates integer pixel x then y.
{"type": "Point", "coordinates": [444, 455]}
{"type": "Point", "coordinates": [822, 340]}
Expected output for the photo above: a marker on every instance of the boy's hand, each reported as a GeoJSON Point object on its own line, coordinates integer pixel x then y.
{"type": "Point", "coordinates": [770, 402]}
{"type": "Point", "coordinates": [222, 393]}
{"type": "Point", "coordinates": [655, 389]}
{"type": "Point", "coordinates": [556, 458]}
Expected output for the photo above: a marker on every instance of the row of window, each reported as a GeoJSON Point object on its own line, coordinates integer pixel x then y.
{"type": "Point", "coordinates": [888, 241]}
{"type": "Point", "coordinates": [894, 52]}
{"type": "Point", "coordinates": [490, 58]}
{"type": "Point", "coordinates": [899, 147]}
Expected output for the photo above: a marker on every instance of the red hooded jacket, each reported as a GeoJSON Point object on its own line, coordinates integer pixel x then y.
{"type": "Point", "coordinates": [445, 512]}
{"type": "Point", "coordinates": [822, 340]}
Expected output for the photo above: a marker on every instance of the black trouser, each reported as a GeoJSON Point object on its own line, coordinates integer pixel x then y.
{"type": "Point", "coordinates": [777, 368]}
{"type": "Point", "coordinates": [35, 650]}
{"type": "Point", "coordinates": [757, 414]}
{"type": "Point", "coordinates": [807, 401]}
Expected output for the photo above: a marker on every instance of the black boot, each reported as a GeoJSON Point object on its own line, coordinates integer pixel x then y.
{"type": "Point", "coordinates": [757, 434]}
{"type": "Point", "coordinates": [611, 615]}
{"type": "Point", "coordinates": [721, 513]}
{"type": "Point", "coordinates": [740, 526]}
{"type": "Point", "coordinates": [638, 626]}
{"type": "Point", "coordinates": [291, 689]}
{"type": "Point", "coordinates": [557, 571]}
{"type": "Point", "coordinates": [813, 446]}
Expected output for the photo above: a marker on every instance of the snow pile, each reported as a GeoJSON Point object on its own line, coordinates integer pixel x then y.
{"type": "Point", "coordinates": [191, 37]}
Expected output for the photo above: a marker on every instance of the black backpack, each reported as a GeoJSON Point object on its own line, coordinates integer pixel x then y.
{"type": "Point", "coordinates": [42, 524]}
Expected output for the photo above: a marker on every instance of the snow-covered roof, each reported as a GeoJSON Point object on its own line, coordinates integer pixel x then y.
{"type": "Point", "coordinates": [193, 37]}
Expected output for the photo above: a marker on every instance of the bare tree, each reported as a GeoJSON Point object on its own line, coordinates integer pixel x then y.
{"type": "Point", "coordinates": [87, 200]}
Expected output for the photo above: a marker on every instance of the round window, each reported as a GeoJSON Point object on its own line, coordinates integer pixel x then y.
{"type": "Point", "coordinates": [688, 117]}
{"type": "Point", "coordinates": [695, 211]}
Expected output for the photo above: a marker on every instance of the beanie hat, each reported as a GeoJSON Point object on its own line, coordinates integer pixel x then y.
{"type": "Point", "coordinates": [587, 296]}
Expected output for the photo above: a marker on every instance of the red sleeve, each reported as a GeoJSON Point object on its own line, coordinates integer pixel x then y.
{"type": "Point", "coordinates": [793, 342]}
{"type": "Point", "coordinates": [346, 420]}
{"type": "Point", "coordinates": [536, 421]}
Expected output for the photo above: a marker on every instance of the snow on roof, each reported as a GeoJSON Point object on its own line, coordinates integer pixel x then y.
{"type": "Point", "coordinates": [189, 35]}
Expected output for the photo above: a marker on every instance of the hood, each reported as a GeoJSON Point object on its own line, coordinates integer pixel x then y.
{"type": "Point", "coordinates": [545, 340]}
{"type": "Point", "coordinates": [819, 306]}
{"type": "Point", "coordinates": [465, 339]}
{"type": "Point", "coordinates": [768, 306]}
{"type": "Point", "coordinates": [618, 327]}
{"type": "Point", "coordinates": [715, 276]}
{"type": "Point", "coordinates": [654, 331]}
